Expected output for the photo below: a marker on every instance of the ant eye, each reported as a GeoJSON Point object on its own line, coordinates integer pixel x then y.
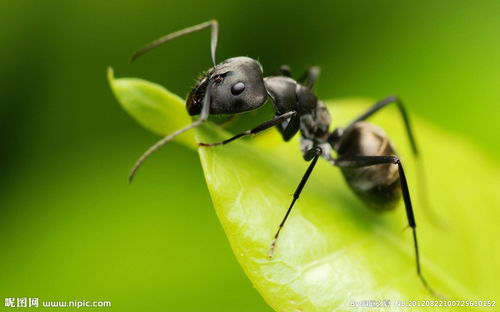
{"type": "Point", "coordinates": [218, 78]}
{"type": "Point", "coordinates": [237, 88]}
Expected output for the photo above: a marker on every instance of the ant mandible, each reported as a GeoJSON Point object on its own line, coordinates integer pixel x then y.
{"type": "Point", "coordinates": [365, 155]}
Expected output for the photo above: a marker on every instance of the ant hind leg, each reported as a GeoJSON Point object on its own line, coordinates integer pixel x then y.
{"type": "Point", "coordinates": [365, 161]}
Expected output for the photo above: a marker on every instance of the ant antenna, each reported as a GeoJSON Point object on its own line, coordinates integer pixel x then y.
{"type": "Point", "coordinates": [213, 38]}
{"type": "Point", "coordinates": [206, 100]}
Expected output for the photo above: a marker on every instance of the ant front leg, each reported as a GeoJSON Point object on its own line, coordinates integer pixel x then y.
{"type": "Point", "coordinates": [365, 161]}
{"type": "Point", "coordinates": [266, 125]}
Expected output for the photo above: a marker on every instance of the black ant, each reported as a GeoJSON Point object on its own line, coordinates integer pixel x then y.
{"type": "Point", "coordinates": [364, 153]}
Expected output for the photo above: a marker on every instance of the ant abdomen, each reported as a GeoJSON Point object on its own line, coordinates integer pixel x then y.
{"type": "Point", "coordinates": [377, 186]}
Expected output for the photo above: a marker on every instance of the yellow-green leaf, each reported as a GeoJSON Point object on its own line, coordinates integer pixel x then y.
{"type": "Point", "coordinates": [334, 250]}
{"type": "Point", "coordinates": [151, 105]}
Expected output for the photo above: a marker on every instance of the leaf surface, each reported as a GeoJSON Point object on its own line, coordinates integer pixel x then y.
{"type": "Point", "coordinates": [333, 249]}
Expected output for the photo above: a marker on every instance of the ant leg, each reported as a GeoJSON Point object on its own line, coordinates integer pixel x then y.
{"type": "Point", "coordinates": [420, 172]}
{"type": "Point", "coordinates": [309, 77]}
{"type": "Point", "coordinates": [365, 161]}
{"type": "Point", "coordinates": [380, 104]}
{"type": "Point", "coordinates": [266, 125]}
{"type": "Point", "coordinates": [203, 117]}
{"type": "Point", "coordinates": [313, 154]}
{"type": "Point", "coordinates": [284, 70]}
{"type": "Point", "coordinates": [289, 129]}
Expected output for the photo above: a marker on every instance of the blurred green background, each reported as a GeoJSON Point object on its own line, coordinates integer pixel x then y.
{"type": "Point", "coordinates": [72, 228]}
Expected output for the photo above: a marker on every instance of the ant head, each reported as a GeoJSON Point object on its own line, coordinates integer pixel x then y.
{"type": "Point", "coordinates": [235, 85]}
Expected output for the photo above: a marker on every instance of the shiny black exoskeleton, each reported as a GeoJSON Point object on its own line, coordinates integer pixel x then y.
{"type": "Point", "coordinates": [364, 153]}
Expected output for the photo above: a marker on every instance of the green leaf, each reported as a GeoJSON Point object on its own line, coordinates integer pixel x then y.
{"type": "Point", "coordinates": [333, 249]}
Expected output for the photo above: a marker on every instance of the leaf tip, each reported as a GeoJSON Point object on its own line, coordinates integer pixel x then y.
{"type": "Point", "coordinates": [111, 75]}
